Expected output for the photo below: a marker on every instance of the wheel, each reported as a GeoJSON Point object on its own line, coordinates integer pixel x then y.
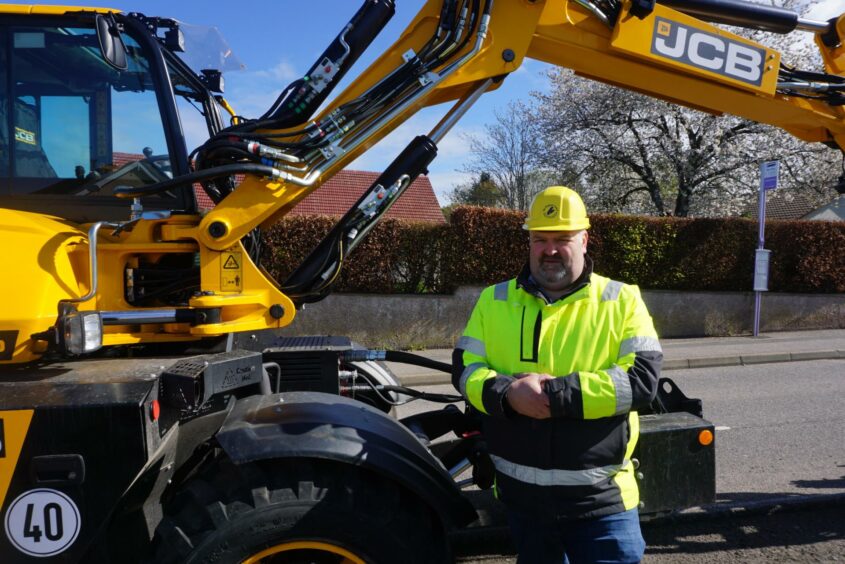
{"type": "Point", "coordinates": [297, 511]}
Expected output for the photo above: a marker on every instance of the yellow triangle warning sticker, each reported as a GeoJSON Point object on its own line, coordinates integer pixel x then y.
{"type": "Point", "coordinates": [231, 263]}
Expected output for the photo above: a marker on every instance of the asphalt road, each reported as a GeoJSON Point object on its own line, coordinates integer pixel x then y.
{"type": "Point", "coordinates": [809, 536]}
{"type": "Point", "coordinates": [780, 436]}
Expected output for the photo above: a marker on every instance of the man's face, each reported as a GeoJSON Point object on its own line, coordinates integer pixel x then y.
{"type": "Point", "coordinates": [557, 257]}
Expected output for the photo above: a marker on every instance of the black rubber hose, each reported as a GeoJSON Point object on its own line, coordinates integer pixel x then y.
{"type": "Point", "coordinates": [303, 101]}
{"type": "Point", "coordinates": [417, 360]}
{"type": "Point", "coordinates": [185, 181]}
{"type": "Point", "coordinates": [438, 398]}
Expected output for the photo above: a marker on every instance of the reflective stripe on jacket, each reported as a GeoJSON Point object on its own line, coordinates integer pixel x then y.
{"type": "Point", "coordinates": [600, 343]}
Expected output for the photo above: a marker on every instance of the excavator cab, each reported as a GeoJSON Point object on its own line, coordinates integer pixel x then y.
{"type": "Point", "coordinates": [73, 125]}
{"type": "Point", "coordinates": [89, 102]}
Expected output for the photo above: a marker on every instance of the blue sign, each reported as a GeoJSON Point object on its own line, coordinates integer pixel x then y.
{"type": "Point", "coordinates": [769, 175]}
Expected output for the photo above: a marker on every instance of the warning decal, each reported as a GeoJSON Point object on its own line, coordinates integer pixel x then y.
{"type": "Point", "coordinates": [231, 272]}
{"type": "Point", "coordinates": [42, 522]}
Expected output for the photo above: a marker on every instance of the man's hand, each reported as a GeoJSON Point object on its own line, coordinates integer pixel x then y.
{"type": "Point", "coordinates": [528, 397]}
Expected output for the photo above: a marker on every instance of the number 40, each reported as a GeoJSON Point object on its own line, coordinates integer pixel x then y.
{"type": "Point", "coordinates": [51, 520]}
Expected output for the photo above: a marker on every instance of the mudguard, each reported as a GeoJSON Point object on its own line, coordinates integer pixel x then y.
{"type": "Point", "coordinates": [326, 426]}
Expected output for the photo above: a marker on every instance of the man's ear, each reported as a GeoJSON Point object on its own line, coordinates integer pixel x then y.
{"type": "Point", "coordinates": [584, 241]}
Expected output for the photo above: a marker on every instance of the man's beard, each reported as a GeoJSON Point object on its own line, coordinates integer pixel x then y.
{"type": "Point", "coordinates": [552, 273]}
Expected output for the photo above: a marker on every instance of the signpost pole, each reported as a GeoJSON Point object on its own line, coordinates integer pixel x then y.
{"type": "Point", "coordinates": [768, 181]}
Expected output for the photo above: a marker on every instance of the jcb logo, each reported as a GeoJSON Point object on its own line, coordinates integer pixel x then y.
{"type": "Point", "coordinates": [708, 51]}
{"type": "Point", "coordinates": [25, 136]}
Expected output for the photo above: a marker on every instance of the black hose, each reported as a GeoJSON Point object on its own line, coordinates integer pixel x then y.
{"type": "Point", "coordinates": [438, 398]}
{"type": "Point", "coordinates": [415, 359]}
{"type": "Point", "coordinates": [185, 181]}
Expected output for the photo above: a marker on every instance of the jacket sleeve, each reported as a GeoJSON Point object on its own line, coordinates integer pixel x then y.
{"type": "Point", "coordinates": [480, 385]}
{"type": "Point", "coordinates": [628, 384]}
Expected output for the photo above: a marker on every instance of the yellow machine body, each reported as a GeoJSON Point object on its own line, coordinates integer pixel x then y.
{"type": "Point", "coordinates": [45, 264]}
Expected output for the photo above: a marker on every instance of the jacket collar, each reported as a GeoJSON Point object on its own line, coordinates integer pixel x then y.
{"type": "Point", "coordinates": [526, 282]}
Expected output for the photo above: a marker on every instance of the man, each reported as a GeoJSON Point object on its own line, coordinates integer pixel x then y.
{"type": "Point", "coordinates": [559, 359]}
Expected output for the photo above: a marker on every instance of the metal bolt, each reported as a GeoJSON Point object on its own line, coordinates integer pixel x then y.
{"type": "Point", "coordinates": [277, 311]}
{"type": "Point", "coordinates": [508, 55]}
{"type": "Point", "coordinates": [217, 229]}
{"type": "Point", "coordinates": [640, 476]}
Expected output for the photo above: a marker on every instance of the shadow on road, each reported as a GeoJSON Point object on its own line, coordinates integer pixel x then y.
{"type": "Point", "coordinates": [739, 522]}
{"type": "Point", "coordinates": [763, 524]}
{"type": "Point", "coordinates": [821, 484]}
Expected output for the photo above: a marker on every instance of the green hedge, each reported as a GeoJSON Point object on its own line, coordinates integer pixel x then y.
{"type": "Point", "coordinates": [483, 246]}
{"type": "Point", "coordinates": [396, 257]}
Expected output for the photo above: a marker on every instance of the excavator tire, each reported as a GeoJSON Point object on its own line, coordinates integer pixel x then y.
{"type": "Point", "coordinates": [297, 511]}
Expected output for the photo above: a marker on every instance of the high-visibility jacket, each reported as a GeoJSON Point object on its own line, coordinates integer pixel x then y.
{"type": "Point", "coordinates": [600, 344]}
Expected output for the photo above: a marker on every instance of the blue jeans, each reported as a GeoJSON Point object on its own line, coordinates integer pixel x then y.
{"type": "Point", "coordinates": [612, 538]}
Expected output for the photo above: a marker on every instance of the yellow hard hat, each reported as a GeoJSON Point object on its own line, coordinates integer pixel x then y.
{"type": "Point", "coordinates": [557, 208]}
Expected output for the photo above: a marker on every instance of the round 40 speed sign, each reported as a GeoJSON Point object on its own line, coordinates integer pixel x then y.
{"type": "Point", "coordinates": [42, 522]}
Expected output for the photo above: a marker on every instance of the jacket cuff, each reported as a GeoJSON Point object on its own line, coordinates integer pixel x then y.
{"type": "Point", "coordinates": [564, 397]}
{"type": "Point", "coordinates": [493, 395]}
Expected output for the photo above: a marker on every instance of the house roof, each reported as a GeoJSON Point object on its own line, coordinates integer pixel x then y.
{"type": "Point", "coordinates": [834, 211]}
{"type": "Point", "coordinates": [341, 192]}
{"type": "Point", "coordinates": [783, 205]}
{"type": "Point", "coordinates": [119, 159]}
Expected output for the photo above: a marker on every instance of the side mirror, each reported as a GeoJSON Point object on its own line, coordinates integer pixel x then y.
{"type": "Point", "coordinates": [111, 44]}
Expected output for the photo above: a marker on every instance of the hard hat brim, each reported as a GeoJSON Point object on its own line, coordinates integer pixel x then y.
{"type": "Point", "coordinates": [577, 226]}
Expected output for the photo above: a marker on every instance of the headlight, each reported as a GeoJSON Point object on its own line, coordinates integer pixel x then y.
{"type": "Point", "coordinates": [83, 332]}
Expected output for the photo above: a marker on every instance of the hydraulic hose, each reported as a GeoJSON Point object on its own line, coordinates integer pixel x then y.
{"type": "Point", "coordinates": [299, 100]}
{"type": "Point", "coordinates": [187, 180]}
{"type": "Point", "coordinates": [417, 360]}
{"type": "Point", "coordinates": [360, 355]}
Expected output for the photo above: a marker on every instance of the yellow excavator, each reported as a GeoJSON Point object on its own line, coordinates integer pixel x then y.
{"type": "Point", "coordinates": [147, 408]}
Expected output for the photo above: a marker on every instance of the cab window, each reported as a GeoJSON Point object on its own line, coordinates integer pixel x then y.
{"type": "Point", "coordinates": [73, 125]}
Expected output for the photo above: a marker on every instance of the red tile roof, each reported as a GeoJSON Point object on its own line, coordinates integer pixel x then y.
{"type": "Point", "coordinates": [783, 205]}
{"type": "Point", "coordinates": [338, 194]}
{"type": "Point", "coordinates": [120, 159]}
{"type": "Point", "coordinates": [341, 192]}
{"type": "Point", "coordinates": [203, 201]}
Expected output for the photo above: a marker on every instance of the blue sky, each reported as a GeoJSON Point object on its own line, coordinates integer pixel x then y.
{"type": "Point", "coordinates": [279, 40]}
